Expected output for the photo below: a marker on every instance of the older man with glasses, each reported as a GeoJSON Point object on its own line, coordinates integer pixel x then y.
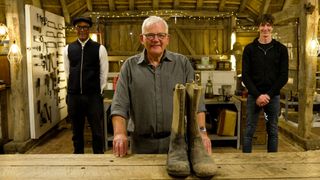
{"type": "Point", "coordinates": [86, 68]}
{"type": "Point", "coordinates": [144, 94]}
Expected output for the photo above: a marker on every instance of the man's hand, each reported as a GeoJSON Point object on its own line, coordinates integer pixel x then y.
{"type": "Point", "coordinates": [263, 100]}
{"type": "Point", "coordinates": [206, 142]}
{"type": "Point", "coordinates": [120, 145]}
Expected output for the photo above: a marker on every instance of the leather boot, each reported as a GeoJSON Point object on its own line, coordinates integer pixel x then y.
{"type": "Point", "coordinates": [177, 162]}
{"type": "Point", "coordinates": [202, 164]}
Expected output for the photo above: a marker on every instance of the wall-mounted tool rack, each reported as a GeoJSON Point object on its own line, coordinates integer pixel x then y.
{"type": "Point", "coordinates": [45, 41]}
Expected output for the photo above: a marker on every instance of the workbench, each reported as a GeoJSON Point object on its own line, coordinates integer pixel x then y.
{"type": "Point", "coordinates": [281, 165]}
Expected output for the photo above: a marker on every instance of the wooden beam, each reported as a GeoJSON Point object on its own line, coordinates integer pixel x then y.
{"type": "Point", "coordinates": [287, 14]}
{"type": "Point", "coordinates": [176, 4]}
{"type": "Point", "coordinates": [199, 4]}
{"type": "Point", "coordinates": [185, 41]}
{"type": "Point", "coordinates": [73, 3]}
{"type": "Point", "coordinates": [243, 5]}
{"type": "Point", "coordinates": [287, 3]}
{"type": "Point", "coordinates": [307, 67]}
{"type": "Point", "coordinates": [78, 10]}
{"type": "Point", "coordinates": [155, 4]}
{"type": "Point", "coordinates": [221, 5]}
{"type": "Point", "coordinates": [111, 5]}
{"type": "Point", "coordinates": [265, 7]}
{"type": "Point", "coordinates": [18, 105]}
{"type": "Point", "coordinates": [37, 3]}
{"type": "Point", "coordinates": [65, 11]}
{"type": "Point", "coordinates": [89, 5]}
{"type": "Point", "coordinates": [131, 5]}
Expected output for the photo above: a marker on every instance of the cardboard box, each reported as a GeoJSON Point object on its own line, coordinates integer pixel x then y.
{"type": "Point", "coordinates": [227, 123]}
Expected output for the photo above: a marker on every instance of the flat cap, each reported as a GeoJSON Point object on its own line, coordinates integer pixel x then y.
{"type": "Point", "coordinates": [82, 19]}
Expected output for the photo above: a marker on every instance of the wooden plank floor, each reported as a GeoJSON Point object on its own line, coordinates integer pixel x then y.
{"type": "Point", "coordinates": [61, 143]}
{"type": "Point", "coordinates": [281, 165]}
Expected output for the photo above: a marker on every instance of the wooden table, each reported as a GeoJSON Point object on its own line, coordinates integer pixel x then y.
{"type": "Point", "coordinates": [282, 165]}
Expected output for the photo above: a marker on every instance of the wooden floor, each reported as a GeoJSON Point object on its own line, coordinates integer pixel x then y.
{"type": "Point", "coordinates": [60, 143]}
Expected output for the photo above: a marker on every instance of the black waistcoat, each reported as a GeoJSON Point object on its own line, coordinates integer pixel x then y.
{"type": "Point", "coordinates": [84, 73]}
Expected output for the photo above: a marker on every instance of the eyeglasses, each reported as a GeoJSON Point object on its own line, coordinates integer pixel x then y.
{"type": "Point", "coordinates": [83, 28]}
{"type": "Point", "coordinates": [152, 36]}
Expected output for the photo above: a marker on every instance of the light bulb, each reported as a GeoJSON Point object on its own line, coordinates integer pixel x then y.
{"type": "Point", "coordinates": [14, 48]}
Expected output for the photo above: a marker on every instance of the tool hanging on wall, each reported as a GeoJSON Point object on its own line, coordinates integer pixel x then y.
{"type": "Point", "coordinates": [48, 112]}
{"type": "Point", "coordinates": [38, 86]}
{"type": "Point", "coordinates": [50, 34]}
{"type": "Point", "coordinates": [37, 28]}
{"type": "Point", "coordinates": [51, 24]}
{"type": "Point", "coordinates": [60, 35]}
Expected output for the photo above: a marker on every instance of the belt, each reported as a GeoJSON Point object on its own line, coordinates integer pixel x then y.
{"type": "Point", "coordinates": [159, 135]}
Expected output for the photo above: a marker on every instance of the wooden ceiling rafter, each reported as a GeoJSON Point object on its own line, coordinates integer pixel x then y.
{"type": "Point", "coordinates": [37, 3]}
{"type": "Point", "coordinates": [155, 4]}
{"type": "Point", "coordinates": [265, 7]}
{"type": "Point", "coordinates": [76, 12]}
{"type": "Point", "coordinates": [89, 5]}
{"type": "Point", "coordinates": [199, 4]}
{"type": "Point", "coordinates": [222, 5]}
{"type": "Point", "coordinates": [176, 4]}
{"type": "Point", "coordinates": [131, 5]}
{"type": "Point", "coordinates": [65, 11]}
{"type": "Point", "coordinates": [112, 5]}
{"type": "Point", "coordinates": [287, 4]}
{"type": "Point", "coordinates": [243, 5]}
{"type": "Point", "coordinates": [73, 3]}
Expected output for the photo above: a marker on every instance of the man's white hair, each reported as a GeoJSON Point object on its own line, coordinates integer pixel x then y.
{"type": "Point", "coordinates": [153, 20]}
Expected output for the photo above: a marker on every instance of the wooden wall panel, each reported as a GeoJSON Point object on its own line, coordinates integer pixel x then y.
{"type": "Point", "coordinates": [115, 38]}
{"type": "Point", "coordinates": [174, 42]}
{"type": "Point", "coordinates": [213, 42]}
{"type": "Point", "coordinates": [206, 42]}
{"type": "Point", "coordinates": [202, 37]}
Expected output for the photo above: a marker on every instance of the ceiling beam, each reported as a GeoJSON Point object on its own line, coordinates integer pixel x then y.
{"type": "Point", "coordinates": [243, 5]}
{"type": "Point", "coordinates": [176, 4]}
{"type": "Point", "coordinates": [131, 5]}
{"type": "Point", "coordinates": [287, 4]}
{"type": "Point", "coordinates": [287, 14]}
{"type": "Point", "coordinates": [164, 12]}
{"type": "Point", "coordinates": [221, 5]}
{"type": "Point", "coordinates": [199, 4]}
{"type": "Point", "coordinates": [89, 5]}
{"type": "Point", "coordinates": [65, 11]}
{"type": "Point", "coordinates": [77, 11]}
{"type": "Point", "coordinates": [73, 3]}
{"type": "Point", "coordinates": [155, 4]}
{"type": "Point", "coordinates": [111, 5]}
{"type": "Point", "coordinates": [37, 3]}
{"type": "Point", "coordinates": [265, 7]}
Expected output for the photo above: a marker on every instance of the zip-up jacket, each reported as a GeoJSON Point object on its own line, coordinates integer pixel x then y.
{"type": "Point", "coordinates": [84, 75]}
{"type": "Point", "coordinates": [265, 71]}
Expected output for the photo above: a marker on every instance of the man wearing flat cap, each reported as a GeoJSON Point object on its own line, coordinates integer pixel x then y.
{"type": "Point", "coordinates": [86, 68]}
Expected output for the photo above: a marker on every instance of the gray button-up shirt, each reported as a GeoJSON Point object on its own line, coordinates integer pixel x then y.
{"type": "Point", "coordinates": [145, 93]}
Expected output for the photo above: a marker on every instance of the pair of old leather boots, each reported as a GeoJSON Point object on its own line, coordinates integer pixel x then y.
{"type": "Point", "coordinates": [186, 150]}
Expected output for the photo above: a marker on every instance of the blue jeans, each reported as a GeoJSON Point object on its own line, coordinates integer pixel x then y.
{"type": "Point", "coordinates": [271, 112]}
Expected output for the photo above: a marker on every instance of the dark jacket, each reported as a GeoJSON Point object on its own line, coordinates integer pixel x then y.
{"type": "Point", "coordinates": [84, 74]}
{"type": "Point", "coordinates": [265, 71]}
